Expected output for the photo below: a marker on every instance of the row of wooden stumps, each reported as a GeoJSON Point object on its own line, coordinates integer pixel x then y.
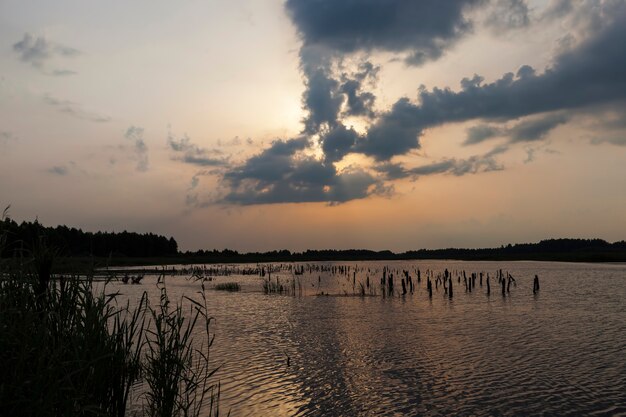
{"type": "Point", "coordinates": [470, 283]}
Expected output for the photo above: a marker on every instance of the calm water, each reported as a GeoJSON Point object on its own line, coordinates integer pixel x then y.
{"type": "Point", "coordinates": [562, 352]}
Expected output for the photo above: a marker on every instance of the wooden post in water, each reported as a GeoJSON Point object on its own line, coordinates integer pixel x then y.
{"type": "Point", "coordinates": [503, 287]}
{"type": "Point", "coordinates": [403, 287]}
{"type": "Point", "coordinates": [450, 288]}
{"type": "Point", "coordinates": [536, 285]}
{"type": "Point", "coordinates": [488, 286]}
{"type": "Point", "coordinates": [429, 286]}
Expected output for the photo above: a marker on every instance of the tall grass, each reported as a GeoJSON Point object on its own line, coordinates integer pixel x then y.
{"type": "Point", "coordinates": [176, 369]}
{"type": "Point", "coordinates": [68, 349]}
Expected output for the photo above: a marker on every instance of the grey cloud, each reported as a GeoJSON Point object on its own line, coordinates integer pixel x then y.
{"type": "Point", "coordinates": [529, 130]}
{"type": "Point", "coordinates": [536, 129]}
{"type": "Point", "coordinates": [422, 28]}
{"type": "Point", "coordinates": [612, 140]}
{"type": "Point", "coordinates": [359, 102]}
{"type": "Point", "coordinates": [74, 109]}
{"type": "Point", "coordinates": [592, 74]}
{"type": "Point", "coordinates": [394, 133]}
{"type": "Point", "coordinates": [453, 166]}
{"type": "Point", "coordinates": [321, 100]}
{"type": "Point", "coordinates": [6, 137]}
{"type": "Point", "coordinates": [338, 142]}
{"type": "Point", "coordinates": [279, 175]}
{"type": "Point", "coordinates": [557, 9]}
{"type": "Point", "coordinates": [270, 165]}
{"type": "Point", "coordinates": [62, 72]}
{"type": "Point", "coordinates": [330, 187]}
{"type": "Point", "coordinates": [191, 153]}
{"type": "Point", "coordinates": [482, 132]}
{"type": "Point", "coordinates": [58, 170]}
{"type": "Point", "coordinates": [135, 135]}
{"type": "Point", "coordinates": [508, 14]}
{"type": "Point", "coordinates": [37, 50]}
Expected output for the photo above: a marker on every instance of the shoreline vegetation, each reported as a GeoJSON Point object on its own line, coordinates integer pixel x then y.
{"type": "Point", "coordinates": [70, 347]}
{"type": "Point", "coordinates": [81, 251]}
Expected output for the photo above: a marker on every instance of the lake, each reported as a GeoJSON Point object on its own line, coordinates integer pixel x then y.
{"type": "Point", "coordinates": [559, 352]}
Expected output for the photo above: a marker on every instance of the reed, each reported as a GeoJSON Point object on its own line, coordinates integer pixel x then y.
{"type": "Point", "coordinates": [67, 348]}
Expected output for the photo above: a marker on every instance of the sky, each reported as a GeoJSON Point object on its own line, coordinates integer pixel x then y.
{"type": "Point", "coordinates": [258, 125]}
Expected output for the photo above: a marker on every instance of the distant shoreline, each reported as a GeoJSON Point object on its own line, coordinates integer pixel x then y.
{"type": "Point", "coordinates": [76, 264]}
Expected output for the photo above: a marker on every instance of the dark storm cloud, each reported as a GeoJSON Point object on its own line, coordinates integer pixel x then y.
{"type": "Point", "coordinates": [358, 101]}
{"type": "Point", "coordinates": [74, 109]}
{"type": "Point", "coordinates": [37, 50]}
{"type": "Point", "coordinates": [580, 79]}
{"type": "Point", "coordinates": [298, 186]}
{"type": "Point", "coordinates": [273, 164]}
{"type": "Point", "coordinates": [321, 99]}
{"type": "Point", "coordinates": [135, 135]}
{"type": "Point", "coordinates": [423, 28]}
{"type": "Point", "coordinates": [280, 175]}
{"type": "Point", "coordinates": [592, 74]}
{"type": "Point", "coordinates": [191, 153]}
{"type": "Point", "coordinates": [328, 91]}
{"type": "Point", "coordinates": [394, 133]}
{"type": "Point", "coordinates": [338, 142]}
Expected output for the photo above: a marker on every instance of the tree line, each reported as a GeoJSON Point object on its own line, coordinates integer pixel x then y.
{"type": "Point", "coordinates": [72, 242]}
{"type": "Point", "coordinates": [575, 250]}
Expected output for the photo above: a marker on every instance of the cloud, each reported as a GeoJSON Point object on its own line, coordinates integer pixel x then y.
{"type": "Point", "coordinates": [612, 140]}
{"type": "Point", "coordinates": [482, 132]}
{"type": "Point", "coordinates": [588, 74]}
{"type": "Point", "coordinates": [394, 133]}
{"type": "Point", "coordinates": [506, 15]}
{"type": "Point", "coordinates": [592, 74]}
{"type": "Point", "coordinates": [6, 137]}
{"type": "Point", "coordinates": [280, 174]}
{"type": "Point", "coordinates": [74, 109]}
{"type": "Point", "coordinates": [37, 50]}
{"type": "Point", "coordinates": [453, 166]}
{"type": "Point", "coordinates": [536, 129]}
{"type": "Point", "coordinates": [423, 29]}
{"type": "Point", "coordinates": [135, 135]}
{"type": "Point", "coordinates": [60, 170]}
{"type": "Point", "coordinates": [529, 130]}
{"type": "Point", "coordinates": [191, 153]}
{"type": "Point", "coordinates": [321, 99]}
{"type": "Point", "coordinates": [337, 142]}
{"type": "Point", "coordinates": [358, 101]}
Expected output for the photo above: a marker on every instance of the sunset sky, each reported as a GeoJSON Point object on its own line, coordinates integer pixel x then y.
{"type": "Point", "coordinates": [270, 124]}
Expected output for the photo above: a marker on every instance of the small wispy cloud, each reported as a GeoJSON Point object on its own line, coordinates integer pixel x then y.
{"type": "Point", "coordinates": [135, 135]}
{"type": "Point", "coordinates": [37, 51]}
{"type": "Point", "coordinates": [6, 137]}
{"type": "Point", "coordinates": [190, 153]}
{"type": "Point", "coordinates": [74, 109]}
{"type": "Point", "coordinates": [60, 170]}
